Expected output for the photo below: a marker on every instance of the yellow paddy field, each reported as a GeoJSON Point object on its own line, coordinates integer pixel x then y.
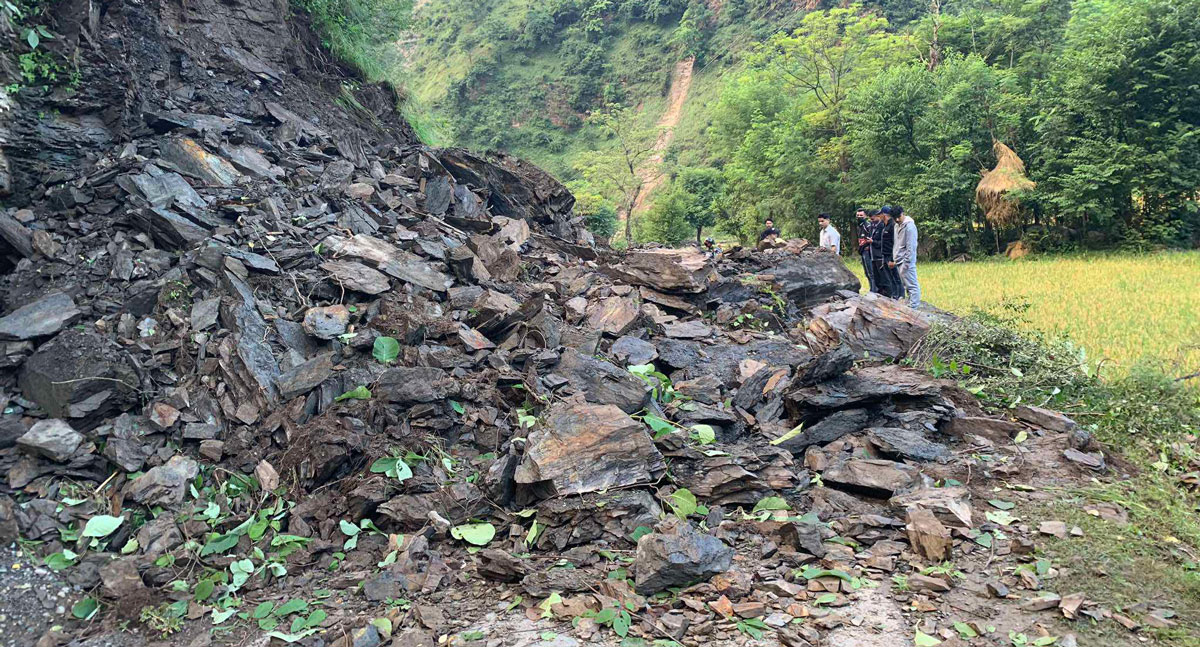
{"type": "Point", "coordinates": [1120, 308]}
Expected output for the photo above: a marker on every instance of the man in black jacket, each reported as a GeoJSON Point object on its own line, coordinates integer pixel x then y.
{"type": "Point", "coordinates": [883, 238]}
{"type": "Point", "coordinates": [864, 246]}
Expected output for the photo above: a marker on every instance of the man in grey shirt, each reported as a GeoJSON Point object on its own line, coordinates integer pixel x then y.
{"type": "Point", "coordinates": [904, 255]}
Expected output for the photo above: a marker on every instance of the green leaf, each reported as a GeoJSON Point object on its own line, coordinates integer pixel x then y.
{"type": "Point", "coordinates": [683, 503]}
{"type": "Point", "coordinates": [292, 637]}
{"type": "Point", "coordinates": [458, 407]}
{"type": "Point", "coordinates": [771, 503]}
{"type": "Point", "coordinates": [621, 623]}
{"type": "Point", "coordinates": [388, 560]}
{"type": "Point", "coordinates": [31, 37]}
{"type": "Point", "coordinates": [1045, 640]}
{"type": "Point", "coordinates": [789, 435]}
{"type": "Point", "coordinates": [360, 393]}
{"type": "Point", "coordinates": [1001, 504]}
{"type": "Point", "coordinates": [965, 631]}
{"type": "Point", "coordinates": [639, 532]}
{"type": "Point", "coordinates": [262, 610]}
{"type": "Point", "coordinates": [219, 544]}
{"type": "Point", "coordinates": [295, 605]}
{"type": "Point", "coordinates": [348, 528]}
{"type": "Point", "coordinates": [828, 598]}
{"type": "Point", "coordinates": [315, 619]}
{"type": "Point", "coordinates": [85, 608]}
{"type": "Point", "coordinates": [477, 534]}
{"type": "Point", "coordinates": [924, 640]}
{"type": "Point", "coordinates": [61, 560]}
{"type": "Point", "coordinates": [659, 426]}
{"type": "Point", "coordinates": [605, 616]}
{"type": "Point", "coordinates": [203, 590]}
{"type": "Point", "coordinates": [1022, 436]}
{"type": "Point", "coordinates": [221, 616]}
{"type": "Point", "coordinates": [384, 625]}
{"type": "Point", "coordinates": [1001, 517]}
{"type": "Point", "coordinates": [102, 525]}
{"type": "Point", "coordinates": [704, 434]}
{"type": "Point", "coordinates": [386, 349]}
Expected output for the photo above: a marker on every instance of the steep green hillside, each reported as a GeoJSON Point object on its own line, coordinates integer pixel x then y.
{"type": "Point", "coordinates": [522, 75]}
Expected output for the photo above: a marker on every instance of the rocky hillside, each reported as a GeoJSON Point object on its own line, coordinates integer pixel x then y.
{"type": "Point", "coordinates": [276, 373]}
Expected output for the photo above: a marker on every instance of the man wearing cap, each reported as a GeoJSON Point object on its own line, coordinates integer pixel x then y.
{"type": "Point", "coordinates": [904, 255]}
{"type": "Point", "coordinates": [830, 238]}
{"type": "Point", "coordinates": [864, 246]}
{"type": "Point", "coordinates": [882, 242]}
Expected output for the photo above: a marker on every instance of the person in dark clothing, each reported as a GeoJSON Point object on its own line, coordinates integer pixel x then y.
{"type": "Point", "coordinates": [883, 239]}
{"type": "Point", "coordinates": [864, 246]}
{"type": "Point", "coordinates": [769, 231]}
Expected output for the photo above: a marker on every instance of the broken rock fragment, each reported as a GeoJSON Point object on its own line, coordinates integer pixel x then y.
{"type": "Point", "coordinates": [584, 448]}
{"type": "Point", "coordinates": [664, 561]}
{"type": "Point", "coordinates": [163, 485]}
{"type": "Point", "coordinates": [53, 439]}
{"type": "Point", "coordinates": [326, 322]}
{"type": "Point", "coordinates": [357, 276]}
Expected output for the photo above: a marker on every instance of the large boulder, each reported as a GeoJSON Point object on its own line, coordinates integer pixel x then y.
{"type": "Point", "coordinates": [668, 270]}
{"type": "Point", "coordinates": [665, 561]}
{"type": "Point", "coordinates": [810, 278]}
{"type": "Point", "coordinates": [585, 448]}
{"type": "Point", "coordinates": [867, 324]}
{"type": "Point", "coordinates": [79, 375]}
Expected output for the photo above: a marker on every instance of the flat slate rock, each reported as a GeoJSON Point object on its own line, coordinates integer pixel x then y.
{"type": "Point", "coordinates": [585, 448]}
{"type": "Point", "coordinates": [602, 383]}
{"type": "Point", "coordinates": [42, 318]}
{"type": "Point", "coordinates": [53, 439]}
{"type": "Point", "coordinates": [358, 277]}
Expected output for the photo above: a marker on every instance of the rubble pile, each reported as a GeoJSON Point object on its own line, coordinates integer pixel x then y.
{"type": "Point", "coordinates": [249, 356]}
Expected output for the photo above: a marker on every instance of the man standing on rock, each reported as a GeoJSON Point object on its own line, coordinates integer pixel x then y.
{"type": "Point", "coordinates": [904, 254]}
{"type": "Point", "coordinates": [864, 246]}
{"type": "Point", "coordinates": [830, 238]}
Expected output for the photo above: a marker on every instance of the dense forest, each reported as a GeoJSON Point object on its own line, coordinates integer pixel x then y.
{"type": "Point", "coordinates": [799, 108]}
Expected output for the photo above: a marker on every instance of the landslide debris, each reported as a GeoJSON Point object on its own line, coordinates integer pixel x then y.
{"type": "Point", "coordinates": [272, 366]}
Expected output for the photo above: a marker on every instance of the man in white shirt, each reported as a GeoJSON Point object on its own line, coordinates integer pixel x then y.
{"type": "Point", "coordinates": [830, 238]}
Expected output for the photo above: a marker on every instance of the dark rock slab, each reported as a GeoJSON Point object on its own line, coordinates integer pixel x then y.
{"type": "Point", "coordinates": [305, 377]}
{"type": "Point", "coordinates": [633, 351]}
{"type": "Point", "coordinates": [41, 318]}
{"type": "Point", "coordinates": [906, 443]}
{"type": "Point", "coordinates": [666, 270]}
{"type": "Point", "coordinates": [358, 277]}
{"type": "Point", "coordinates": [611, 517]}
{"type": "Point", "coordinates": [810, 278]}
{"type": "Point", "coordinates": [584, 448]}
{"type": "Point", "coordinates": [602, 383]}
{"type": "Point", "coordinates": [828, 429]}
{"type": "Point", "coordinates": [415, 385]}
{"type": "Point", "coordinates": [871, 476]}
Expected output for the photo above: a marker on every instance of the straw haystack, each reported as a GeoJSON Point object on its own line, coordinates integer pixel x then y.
{"type": "Point", "coordinates": [993, 191]}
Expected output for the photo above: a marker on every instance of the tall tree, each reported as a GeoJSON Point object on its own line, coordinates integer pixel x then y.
{"type": "Point", "coordinates": [614, 171]}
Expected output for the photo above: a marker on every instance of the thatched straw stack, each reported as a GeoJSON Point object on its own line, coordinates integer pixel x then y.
{"type": "Point", "coordinates": [992, 194]}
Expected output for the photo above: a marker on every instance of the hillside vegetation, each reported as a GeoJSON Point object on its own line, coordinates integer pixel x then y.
{"type": "Point", "coordinates": [795, 108]}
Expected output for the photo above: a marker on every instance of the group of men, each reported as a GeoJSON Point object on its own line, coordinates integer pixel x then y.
{"type": "Point", "coordinates": [887, 245]}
